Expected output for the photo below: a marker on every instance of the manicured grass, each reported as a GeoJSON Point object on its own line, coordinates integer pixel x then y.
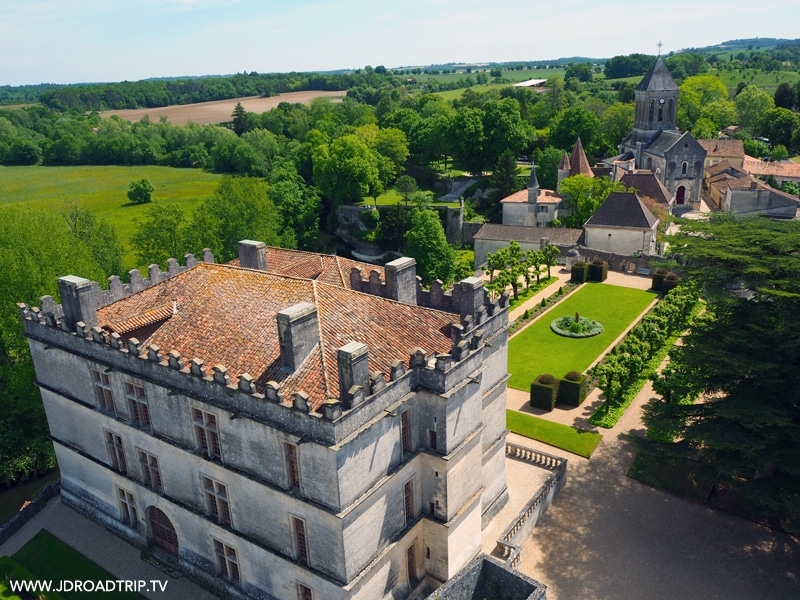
{"type": "Point", "coordinates": [538, 350]}
{"type": "Point", "coordinates": [392, 196]}
{"type": "Point", "coordinates": [577, 441]}
{"type": "Point", "coordinates": [48, 558]}
{"type": "Point", "coordinates": [103, 190]}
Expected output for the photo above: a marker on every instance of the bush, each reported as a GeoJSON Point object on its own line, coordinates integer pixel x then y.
{"type": "Point", "coordinates": [670, 282]}
{"type": "Point", "coordinates": [573, 388]}
{"type": "Point", "coordinates": [370, 218]}
{"type": "Point", "coordinates": [543, 303]}
{"type": "Point", "coordinates": [544, 392]}
{"type": "Point", "coordinates": [526, 315]}
{"type": "Point", "coordinates": [598, 270]}
{"type": "Point", "coordinates": [579, 272]}
{"type": "Point", "coordinates": [658, 278]}
{"type": "Point", "coordinates": [141, 191]}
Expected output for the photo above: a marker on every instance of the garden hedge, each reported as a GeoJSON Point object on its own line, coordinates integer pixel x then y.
{"type": "Point", "coordinates": [579, 272]}
{"type": "Point", "coordinates": [544, 392]}
{"type": "Point", "coordinates": [598, 270]}
{"type": "Point", "coordinates": [573, 388]}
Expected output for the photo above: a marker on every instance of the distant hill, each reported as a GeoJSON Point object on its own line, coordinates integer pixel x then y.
{"type": "Point", "coordinates": [746, 44]}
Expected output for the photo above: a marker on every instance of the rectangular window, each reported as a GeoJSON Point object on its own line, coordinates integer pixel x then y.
{"type": "Point", "coordinates": [151, 473]}
{"type": "Point", "coordinates": [411, 561]}
{"type": "Point", "coordinates": [304, 592]}
{"type": "Point", "coordinates": [541, 209]}
{"type": "Point", "coordinates": [227, 563]}
{"type": "Point", "coordinates": [405, 432]}
{"type": "Point", "coordinates": [300, 540]}
{"type": "Point", "coordinates": [408, 501]}
{"type": "Point", "coordinates": [116, 452]}
{"type": "Point", "coordinates": [127, 509]}
{"type": "Point", "coordinates": [102, 391]}
{"type": "Point", "coordinates": [217, 500]}
{"type": "Point", "coordinates": [432, 439]}
{"type": "Point", "coordinates": [137, 404]}
{"type": "Point", "coordinates": [207, 433]}
{"type": "Point", "coordinates": [292, 467]}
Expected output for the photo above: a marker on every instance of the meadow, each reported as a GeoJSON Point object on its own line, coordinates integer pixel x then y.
{"type": "Point", "coordinates": [538, 350]}
{"type": "Point", "coordinates": [103, 190]}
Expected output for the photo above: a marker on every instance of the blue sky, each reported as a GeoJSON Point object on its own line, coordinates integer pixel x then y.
{"type": "Point", "coordinates": [63, 41]}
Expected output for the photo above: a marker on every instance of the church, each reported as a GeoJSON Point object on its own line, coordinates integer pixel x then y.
{"type": "Point", "coordinates": [656, 145]}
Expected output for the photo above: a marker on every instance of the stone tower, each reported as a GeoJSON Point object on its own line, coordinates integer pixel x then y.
{"type": "Point", "coordinates": [656, 103]}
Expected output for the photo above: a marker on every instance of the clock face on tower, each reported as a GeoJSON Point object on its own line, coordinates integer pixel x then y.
{"type": "Point", "coordinates": [661, 101]}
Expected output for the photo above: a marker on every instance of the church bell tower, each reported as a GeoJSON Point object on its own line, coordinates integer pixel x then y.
{"type": "Point", "coordinates": [656, 103]}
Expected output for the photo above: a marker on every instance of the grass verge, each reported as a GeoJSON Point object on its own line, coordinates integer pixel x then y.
{"type": "Point", "coordinates": [577, 441]}
{"type": "Point", "coordinates": [48, 558]}
{"type": "Point", "coordinates": [538, 350]}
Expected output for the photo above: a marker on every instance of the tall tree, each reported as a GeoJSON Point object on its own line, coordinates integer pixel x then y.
{"type": "Point", "coordinates": [751, 104]}
{"type": "Point", "coordinates": [583, 195]}
{"type": "Point", "coordinates": [573, 123]}
{"type": "Point", "coordinates": [744, 354]}
{"type": "Point", "coordinates": [98, 234]}
{"type": "Point", "coordinates": [160, 235]}
{"type": "Point", "coordinates": [504, 181]}
{"type": "Point", "coordinates": [427, 243]}
{"type": "Point", "coordinates": [346, 170]}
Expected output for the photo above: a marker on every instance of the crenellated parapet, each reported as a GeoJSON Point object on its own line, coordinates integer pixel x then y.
{"type": "Point", "coordinates": [363, 394]}
{"type": "Point", "coordinates": [92, 296]}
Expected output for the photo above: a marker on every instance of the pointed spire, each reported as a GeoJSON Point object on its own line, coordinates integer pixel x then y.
{"type": "Point", "coordinates": [658, 78]}
{"type": "Point", "coordinates": [579, 164]}
{"type": "Point", "coordinates": [533, 184]}
{"type": "Point", "coordinates": [564, 164]}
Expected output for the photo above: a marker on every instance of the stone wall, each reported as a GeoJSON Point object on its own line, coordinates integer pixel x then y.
{"type": "Point", "coordinates": [487, 578]}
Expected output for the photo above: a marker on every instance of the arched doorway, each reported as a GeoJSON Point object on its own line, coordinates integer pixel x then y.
{"type": "Point", "coordinates": [162, 531]}
{"type": "Point", "coordinates": [680, 196]}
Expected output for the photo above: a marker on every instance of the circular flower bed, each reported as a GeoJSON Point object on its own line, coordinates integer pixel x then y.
{"type": "Point", "coordinates": [576, 327]}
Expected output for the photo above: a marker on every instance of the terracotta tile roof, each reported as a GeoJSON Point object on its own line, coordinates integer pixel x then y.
{"type": "Point", "coordinates": [227, 316]}
{"type": "Point", "coordinates": [334, 270]}
{"type": "Point", "coordinates": [754, 166]}
{"type": "Point", "coordinates": [723, 148]}
{"type": "Point", "coordinates": [545, 197]}
{"type": "Point", "coordinates": [647, 184]}
{"type": "Point", "coordinates": [520, 196]}
{"type": "Point", "coordinates": [623, 209]}
{"type": "Point", "coordinates": [148, 317]}
{"type": "Point", "coordinates": [579, 164]}
{"type": "Point", "coordinates": [564, 164]}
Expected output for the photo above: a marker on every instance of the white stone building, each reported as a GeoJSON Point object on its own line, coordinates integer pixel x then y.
{"type": "Point", "coordinates": [274, 432]}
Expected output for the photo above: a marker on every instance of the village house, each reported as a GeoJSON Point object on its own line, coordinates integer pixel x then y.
{"type": "Point", "coordinates": [287, 426]}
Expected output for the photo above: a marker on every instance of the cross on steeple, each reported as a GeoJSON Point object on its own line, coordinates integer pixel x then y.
{"type": "Point", "coordinates": [659, 44]}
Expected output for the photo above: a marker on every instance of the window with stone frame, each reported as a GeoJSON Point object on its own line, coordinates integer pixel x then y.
{"type": "Point", "coordinates": [405, 431]}
{"type": "Point", "coordinates": [137, 404]}
{"type": "Point", "coordinates": [217, 503]}
{"type": "Point", "coordinates": [102, 391]}
{"type": "Point", "coordinates": [541, 208]}
{"type": "Point", "coordinates": [292, 467]}
{"type": "Point", "coordinates": [151, 472]}
{"type": "Point", "coordinates": [127, 509]}
{"type": "Point", "coordinates": [227, 562]}
{"type": "Point", "coordinates": [206, 433]}
{"type": "Point", "coordinates": [408, 502]}
{"type": "Point", "coordinates": [116, 452]}
{"type": "Point", "coordinates": [304, 592]}
{"type": "Point", "coordinates": [300, 540]}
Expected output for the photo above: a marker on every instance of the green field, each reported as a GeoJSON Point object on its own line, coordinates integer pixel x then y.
{"type": "Point", "coordinates": [538, 350]}
{"type": "Point", "coordinates": [103, 191]}
{"type": "Point", "coordinates": [577, 441]}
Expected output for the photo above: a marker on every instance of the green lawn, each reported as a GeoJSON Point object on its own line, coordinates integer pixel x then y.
{"type": "Point", "coordinates": [49, 558]}
{"type": "Point", "coordinates": [103, 190]}
{"type": "Point", "coordinates": [538, 350]}
{"type": "Point", "coordinates": [392, 196]}
{"type": "Point", "coordinates": [577, 441]}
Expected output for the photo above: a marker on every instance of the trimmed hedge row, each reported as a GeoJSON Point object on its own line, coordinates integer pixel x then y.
{"type": "Point", "coordinates": [547, 391]}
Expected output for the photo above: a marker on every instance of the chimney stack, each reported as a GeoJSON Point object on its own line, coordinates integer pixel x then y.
{"type": "Point", "coordinates": [353, 359]}
{"type": "Point", "coordinates": [298, 332]}
{"type": "Point", "coordinates": [401, 280]}
{"type": "Point", "coordinates": [470, 295]}
{"type": "Point", "coordinates": [253, 255]}
{"type": "Point", "coordinates": [77, 301]}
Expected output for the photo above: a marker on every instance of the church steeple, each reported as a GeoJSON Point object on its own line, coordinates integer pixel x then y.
{"type": "Point", "coordinates": [656, 101]}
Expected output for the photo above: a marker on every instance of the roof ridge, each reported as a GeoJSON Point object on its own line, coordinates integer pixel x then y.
{"type": "Point", "coordinates": [320, 345]}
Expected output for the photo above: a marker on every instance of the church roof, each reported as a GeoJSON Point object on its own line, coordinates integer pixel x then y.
{"type": "Point", "coordinates": [647, 184]}
{"type": "Point", "coordinates": [579, 164]}
{"type": "Point", "coordinates": [657, 79]}
{"type": "Point", "coordinates": [664, 141]}
{"type": "Point", "coordinates": [623, 209]}
{"type": "Point", "coordinates": [226, 315]}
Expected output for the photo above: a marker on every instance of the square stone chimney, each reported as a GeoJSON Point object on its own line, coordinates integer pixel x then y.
{"type": "Point", "coordinates": [253, 255]}
{"type": "Point", "coordinates": [353, 362]}
{"type": "Point", "coordinates": [298, 333]}
{"type": "Point", "coordinates": [401, 280]}
{"type": "Point", "coordinates": [77, 301]}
